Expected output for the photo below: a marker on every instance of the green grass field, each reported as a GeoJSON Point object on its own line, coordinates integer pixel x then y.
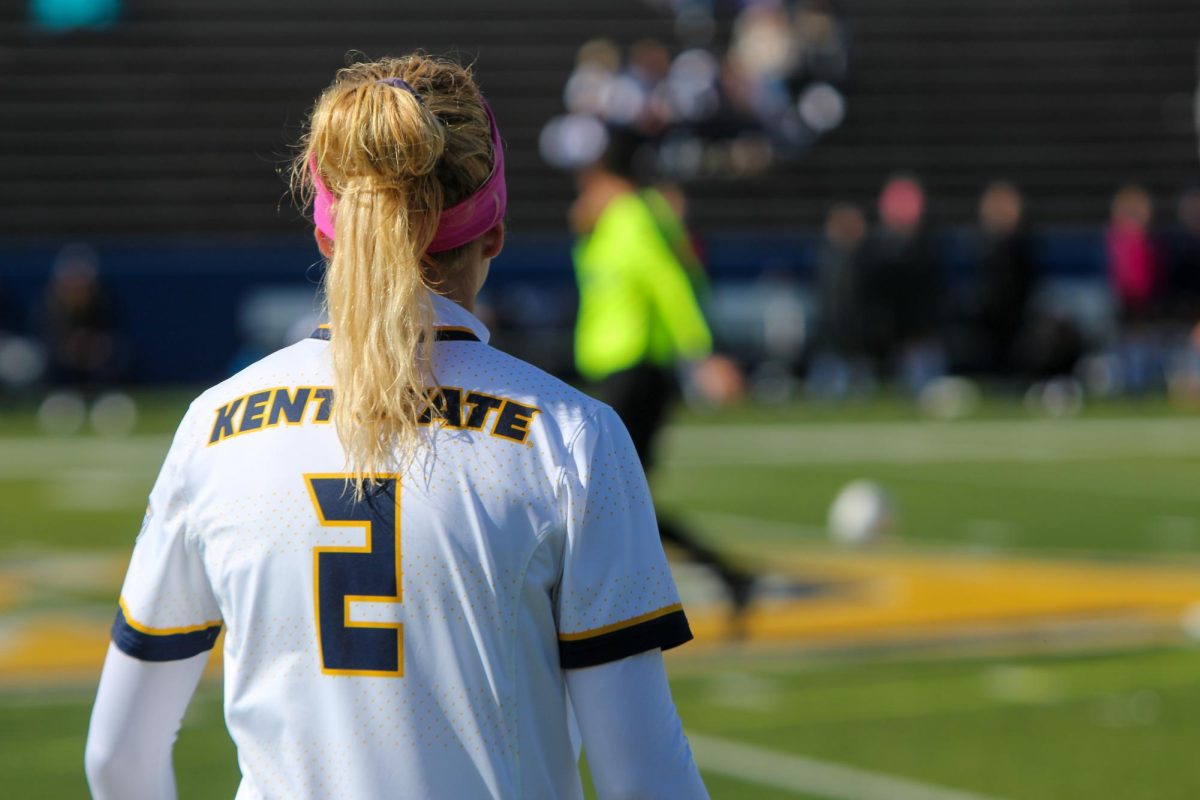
{"type": "Point", "coordinates": [988, 718]}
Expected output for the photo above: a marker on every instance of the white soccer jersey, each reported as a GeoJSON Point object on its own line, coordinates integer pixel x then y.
{"type": "Point", "coordinates": [410, 644]}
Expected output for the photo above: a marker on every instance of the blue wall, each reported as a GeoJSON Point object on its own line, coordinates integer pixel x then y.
{"type": "Point", "coordinates": [178, 301]}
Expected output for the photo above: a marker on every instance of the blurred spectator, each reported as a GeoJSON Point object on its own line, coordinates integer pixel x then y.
{"type": "Point", "coordinates": [1183, 278]}
{"type": "Point", "coordinates": [709, 112]}
{"type": "Point", "coordinates": [1135, 275]}
{"type": "Point", "coordinates": [649, 65]}
{"type": "Point", "coordinates": [601, 96]}
{"type": "Point", "coordinates": [1183, 299]}
{"type": "Point", "coordinates": [821, 53]}
{"type": "Point", "coordinates": [902, 289]}
{"type": "Point", "coordinates": [1007, 275]}
{"type": "Point", "coordinates": [634, 97]}
{"type": "Point", "coordinates": [21, 360]}
{"type": "Point", "coordinates": [785, 60]}
{"type": "Point", "coordinates": [692, 86]}
{"type": "Point", "coordinates": [1133, 257]}
{"type": "Point", "coordinates": [840, 365]}
{"type": "Point", "coordinates": [596, 66]}
{"type": "Point", "coordinates": [83, 343]}
{"type": "Point", "coordinates": [765, 47]}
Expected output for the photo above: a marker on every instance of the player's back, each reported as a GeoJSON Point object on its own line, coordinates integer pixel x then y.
{"type": "Point", "coordinates": [402, 643]}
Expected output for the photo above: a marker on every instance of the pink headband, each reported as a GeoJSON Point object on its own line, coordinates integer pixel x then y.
{"type": "Point", "coordinates": [458, 225]}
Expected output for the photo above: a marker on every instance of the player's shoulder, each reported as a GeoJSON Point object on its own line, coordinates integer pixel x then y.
{"type": "Point", "coordinates": [627, 213]}
{"type": "Point", "coordinates": [624, 230]}
{"type": "Point", "coordinates": [564, 408]}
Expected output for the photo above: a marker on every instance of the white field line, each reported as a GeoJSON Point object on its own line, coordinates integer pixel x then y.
{"type": "Point", "coordinates": [35, 457]}
{"type": "Point", "coordinates": [1063, 483]}
{"type": "Point", "coordinates": [932, 442]}
{"type": "Point", "coordinates": [751, 444]}
{"type": "Point", "coordinates": [1098, 435]}
{"type": "Point", "coordinates": [808, 775]}
{"type": "Point", "coordinates": [770, 527]}
{"type": "Point", "coordinates": [805, 534]}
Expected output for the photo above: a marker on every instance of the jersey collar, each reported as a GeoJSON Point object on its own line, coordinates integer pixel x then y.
{"type": "Point", "coordinates": [451, 322]}
{"type": "Point", "coordinates": [448, 314]}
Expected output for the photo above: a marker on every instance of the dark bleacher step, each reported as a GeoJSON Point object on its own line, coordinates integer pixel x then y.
{"type": "Point", "coordinates": [179, 119]}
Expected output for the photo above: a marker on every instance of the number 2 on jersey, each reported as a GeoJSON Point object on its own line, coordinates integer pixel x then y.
{"type": "Point", "coordinates": [367, 574]}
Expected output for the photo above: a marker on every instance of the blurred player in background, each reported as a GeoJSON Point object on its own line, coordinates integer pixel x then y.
{"type": "Point", "coordinates": [902, 291]}
{"type": "Point", "coordinates": [1007, 278]}
{"type": "Point", "coordinates": [640, 317]}
{"type": "Point", "coordinates": [841, 365]}
{"type": "Point", "coordinates": [86, 351]}
{"type": "Point", "coordinates": [531, 572]}
{"type": "Point", "coordinates": [78, 324]}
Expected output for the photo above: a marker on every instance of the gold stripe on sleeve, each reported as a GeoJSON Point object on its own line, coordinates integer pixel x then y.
{"type": "Point", "coordinates": [140, 628]}
{"type": "Point", "coordinates": [617, 626]}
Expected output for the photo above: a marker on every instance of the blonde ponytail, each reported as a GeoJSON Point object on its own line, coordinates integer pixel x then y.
{"type": "Point", "coordinates": [393, 158]}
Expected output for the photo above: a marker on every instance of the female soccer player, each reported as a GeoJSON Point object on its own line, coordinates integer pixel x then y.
{"type": "Point", "coordinates": [429, 558]}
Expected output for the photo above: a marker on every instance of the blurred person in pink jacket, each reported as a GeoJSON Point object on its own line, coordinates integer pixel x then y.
{"type": "Point", "coordinates": [1134, 267]}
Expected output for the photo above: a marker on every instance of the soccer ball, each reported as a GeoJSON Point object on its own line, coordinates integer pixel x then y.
{"type": "Point", "coordinates": [861, 513]}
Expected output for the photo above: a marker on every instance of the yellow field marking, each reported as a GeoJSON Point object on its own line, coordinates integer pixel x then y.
{"type": "Point", "coordinates": [873, 598]}
{"type": "Point", "coordinates": [11, 590]}
{"type": "Point", "coordinates": [25, 579]}
{"type": "Point", "coordinates": [53, 648]}
{"type": "Point", "coordinates": [883, 597]}
{"type": "Point", "coordinates": [59, 647]}
{"type": "Point", "coordinates": [39, 645]}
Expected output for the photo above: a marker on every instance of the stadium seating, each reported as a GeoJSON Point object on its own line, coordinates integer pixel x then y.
{"type": "Point", "coordinates": [176, 120]}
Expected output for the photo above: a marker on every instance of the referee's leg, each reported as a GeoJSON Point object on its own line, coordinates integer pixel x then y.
{"type": "Point", "coordinates": [641, 397]}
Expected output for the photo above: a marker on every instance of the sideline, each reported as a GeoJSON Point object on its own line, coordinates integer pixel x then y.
{"type": "Point", "coordinates": [930, 442]}
{"type": "Point", "coordinates": [826, 779]}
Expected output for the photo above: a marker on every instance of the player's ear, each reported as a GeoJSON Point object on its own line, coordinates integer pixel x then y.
{"type": "Point", "coordinates": [324, 243]}
{"type": "Point", "coordinates": [493, 241]}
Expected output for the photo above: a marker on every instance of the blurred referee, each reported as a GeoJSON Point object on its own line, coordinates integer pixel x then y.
{"type": "Point", "coordinates": [640, 319]}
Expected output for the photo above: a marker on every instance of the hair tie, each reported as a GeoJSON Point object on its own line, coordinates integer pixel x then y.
{"type": "Point", "coordinates": [400, 83]}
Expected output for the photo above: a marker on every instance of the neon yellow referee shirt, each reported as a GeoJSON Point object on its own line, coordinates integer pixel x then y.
{"type": "Point", "coordinates": [636, 300]}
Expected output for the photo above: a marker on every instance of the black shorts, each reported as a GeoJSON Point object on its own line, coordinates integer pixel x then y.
{"type": "Point", "coordinates": [641, 397]}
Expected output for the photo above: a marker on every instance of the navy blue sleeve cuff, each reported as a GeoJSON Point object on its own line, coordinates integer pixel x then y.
{"type": "Point", "coordinates": [662, 632]}
{"type": "Point", "coordinates": [165, 646]}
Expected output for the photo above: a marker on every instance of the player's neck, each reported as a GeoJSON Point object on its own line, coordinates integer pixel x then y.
{"type": "Point", "coordinates": [461, 296]}
{"type": "Point", "coordinates": [461, 278]}
{"type": "Point", "coordinates": [461, 285]}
